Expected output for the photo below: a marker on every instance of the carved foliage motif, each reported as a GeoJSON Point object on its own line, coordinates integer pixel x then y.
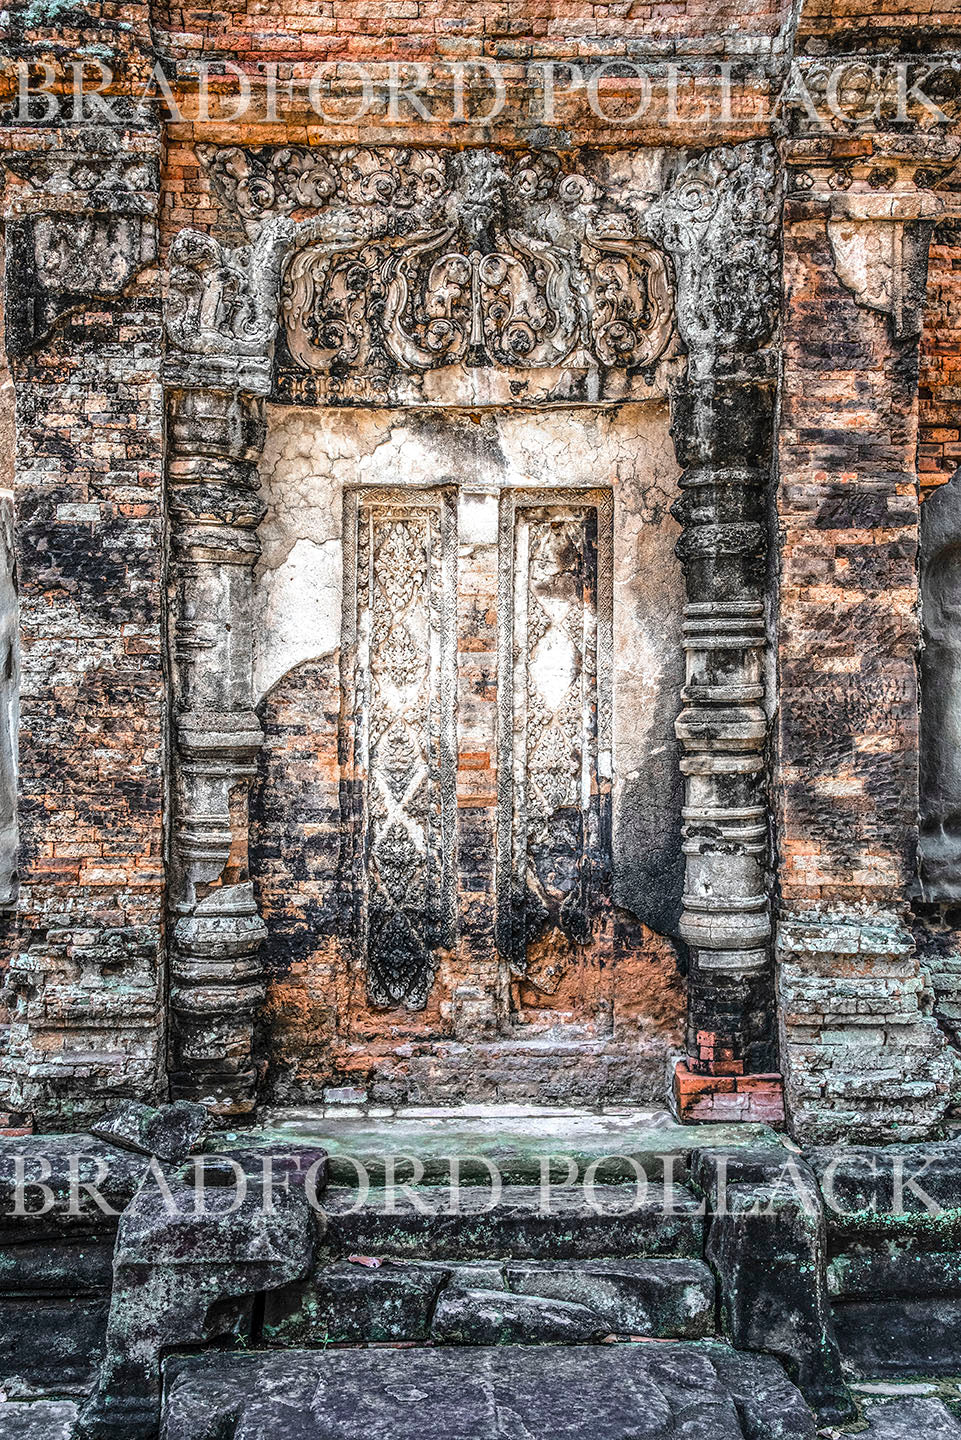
{"type": "Point", "coordinates": [429, 259]}
{"type": "Point", "coordinates": [556, 679]}
{"type": "Point", "coordinates": [719, 222]}
{"type": "Point", "coordinates": [400, 645]}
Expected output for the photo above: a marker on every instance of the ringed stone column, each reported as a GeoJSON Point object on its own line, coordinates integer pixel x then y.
{"type": "Point", "coordinates": [719, 222]}
{"type": "Point", "coordinates": [723, 432]}
{"type": "Point", "coordinates": [216, 978]}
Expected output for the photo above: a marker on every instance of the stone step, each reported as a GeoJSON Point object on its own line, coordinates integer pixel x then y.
{"type": "Point", "coordinates": [521, 1222]}
{"type": "Point", "coordinates": [900, 1335]}
{"type": "Point", "coordinates": [492, 1302]}
{"type": "Point", "coordinates": [520, 1144]}
{"type": "Point", "coordinates": [647, 1391]}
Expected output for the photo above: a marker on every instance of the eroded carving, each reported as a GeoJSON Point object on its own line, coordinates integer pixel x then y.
{"type": "Point", "coordinates": [718, 221]}
{"type": "Point", "coordinates": [880, 247]}
{"type": "Point", "coordinates": [399, 659]}
{"type": "Point", "coordinates": [555, 695]}
{"type": "Point", "coordinates": [404, 262]}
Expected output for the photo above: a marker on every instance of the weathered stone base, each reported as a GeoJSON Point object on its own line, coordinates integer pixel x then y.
{"type": "Point", "coordinates": [630, 1392]}
{"type": "Point", "coordinates": [864, 1058]}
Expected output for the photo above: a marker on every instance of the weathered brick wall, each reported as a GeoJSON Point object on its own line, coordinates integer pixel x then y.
{"type": "Point", "coordinates": [939, 378]}
{"type": "Point", "coordinates": [862, 1051]}
{"type": "Point", "coordinates": [308, 31]}
{"type": "Point", "coordinates": [85, 984]}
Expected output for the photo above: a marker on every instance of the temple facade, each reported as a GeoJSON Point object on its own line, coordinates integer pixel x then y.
{"type": "Point", "coordinates": [481, 616]}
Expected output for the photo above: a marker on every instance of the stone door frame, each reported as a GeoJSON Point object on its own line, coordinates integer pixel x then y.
{"type": "Point", "coordinates": [713, 228]}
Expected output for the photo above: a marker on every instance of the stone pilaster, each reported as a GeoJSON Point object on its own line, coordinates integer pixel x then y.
{"type": "Point", "coordinates": [723, 432]}
{"type": "Point", "coordinates": [718, 221]}
{"type": "Point", "coordinates": [216, 979]}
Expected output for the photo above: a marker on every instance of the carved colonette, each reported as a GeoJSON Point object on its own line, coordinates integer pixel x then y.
{"type": "Point", "coordinates": [723, 236]}
{"type": "Point", "coordinates": [434, 277]}
{"type": "Point", "coordinates": [216, 982]}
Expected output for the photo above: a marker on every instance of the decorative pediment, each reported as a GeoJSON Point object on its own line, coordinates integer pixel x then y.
{"type": "Point", "coordinates": [398, 276]}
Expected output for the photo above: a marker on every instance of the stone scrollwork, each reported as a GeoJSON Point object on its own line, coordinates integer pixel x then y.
{"type": "Point", "coordinates": [431, 302]}
{"type": "Point", "coordinates": [405, 262]}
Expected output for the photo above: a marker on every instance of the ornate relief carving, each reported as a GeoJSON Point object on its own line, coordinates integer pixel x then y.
{"type": "Point", "coordinates": [405, 262]}
{"type": "Point", "coordinates": [555, 697]}
{"type": "Point", "coordinates": [109, 167]}
{"type": "Point", "coordinates": [215, 305]}
{"type": "Point", "coordinates": [400, 679]}
{"type": "Point", "coordinates": [719, 222]}
{"type": "Point", "coordinates": [290, 181]}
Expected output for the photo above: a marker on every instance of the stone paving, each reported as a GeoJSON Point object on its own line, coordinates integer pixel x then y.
{"type": "Point", "coordinates": [914, 1410]}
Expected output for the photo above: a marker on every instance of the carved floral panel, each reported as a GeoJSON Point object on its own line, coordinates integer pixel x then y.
{"type": "Point", "coordinates": [555, 747]}
{"type": "Point", "coordinates": [399, 678]}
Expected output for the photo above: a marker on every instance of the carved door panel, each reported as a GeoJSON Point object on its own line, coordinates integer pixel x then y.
{"type": "Point", "coordinates": [547, 857]}
{"type": "Point", "coordinates": [399, 659]}
{"type": "Point", "coordinates": [554, 772]}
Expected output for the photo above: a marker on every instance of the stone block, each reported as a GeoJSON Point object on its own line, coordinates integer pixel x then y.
{"type": "Point", "coordinates": [767, 1244]}
{"type": "Point", "coordinates": [422, 1225]}
{"type": "Point", "coordinates": [50, 1184]}
{"type": "Point", "coordinates": [881, 1192]}
{"type": "Point", "coordinates": [38, 1420]}
{"type": "Point", "coordinates": [170, 1132]}
{"type": "Point", "coordinates": [347, 1302]}
{"type": "Point", "coordinates": [900, 1336]}
{"type": "Point", "coordinates": [497, 1317]}
{"type": "Point", "coordinates": [622, 1392]}
{"type": "Point", "coordinates": [76, 1265]}
{"type": "Point", "coordinates": [185, 1273]}
{"type": "Point", "coordinates": [51, 1343]}
{"type": "Point", "coordinates": [914, 1418]}
{"type": "Point", "coordinates": [661, 1298]}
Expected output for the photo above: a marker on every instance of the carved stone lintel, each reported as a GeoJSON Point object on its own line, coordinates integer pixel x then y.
{"type": "Point", "coordinates": [880, 246]}
{"type": "Point", "coordinates": [216, 976]}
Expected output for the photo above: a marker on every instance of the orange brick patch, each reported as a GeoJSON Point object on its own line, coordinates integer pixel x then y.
{"type": "Point", "coordinates": [704, 1098]}
{"type": "Point", "coordinates": [12, 1124]}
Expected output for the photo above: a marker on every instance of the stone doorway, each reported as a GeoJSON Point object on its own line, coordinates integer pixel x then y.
{"type": "Point", "coordinates": [465, 823]}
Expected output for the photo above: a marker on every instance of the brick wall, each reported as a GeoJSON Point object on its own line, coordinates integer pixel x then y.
{"type": "Point", "coordinates": [939, 380]}
{"type": "Point", "coordinates": [85, 983]}
{"type": "Point", "coordinates": [862, 1051]}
